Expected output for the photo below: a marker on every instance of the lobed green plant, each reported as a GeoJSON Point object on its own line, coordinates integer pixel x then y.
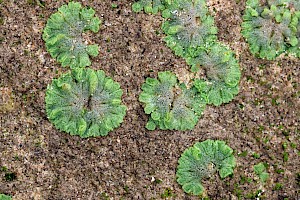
{"type": "Point", "coordinates": [293, 4]}
{"type": "Point", "coordinates": [85, 102]}
{"type": "Point", "coordinates": [150, 6]}
{"type": "Point", "coordinates": [63, 35]}
{"type": "Point", "coordinates": [295, 50]}
{"type": "Point", "coordinates": [202, 161]}
{"type": "Point", "coordinates": [261, 171]}
{"type": "Point", "coordinates": [270, 28]}
{"type": "Point", "coordinates": [222, 73]}
{"type": "Point", "coordinates": [170, 104]}
{"type": "Point", "coordinates": [188, 26]}
{"type": "Point", "coordinates": [5, 197]}
{"type": "Point", "coordinates": [191, 33]}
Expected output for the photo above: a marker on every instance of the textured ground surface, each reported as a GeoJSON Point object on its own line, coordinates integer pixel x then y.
{"type": "Point", "coordinates": [39, 162]}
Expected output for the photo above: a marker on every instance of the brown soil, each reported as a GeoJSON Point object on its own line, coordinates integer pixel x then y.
{"type": "Point", "coordinates": [39, 162]}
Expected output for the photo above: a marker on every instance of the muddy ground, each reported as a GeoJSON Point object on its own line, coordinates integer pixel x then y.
{"type": "Point", "coordinates": [39, 162]}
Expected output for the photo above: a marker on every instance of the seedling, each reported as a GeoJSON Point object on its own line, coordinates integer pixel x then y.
{"type": "Point", "coordinates": [10, 176]}
{"type": "Point", "coordinates": [285, 156]}
{"type": "Point", "coordinates": [256, 155]}
{"type": "Point", "coordinates": [167, 194]}
{"type": "Point", "coordinates": [278, 186]}
{"type": "Point", "coordinates": [3, 169]}
{"type": "Point", "coordinates": [261, 171]}
{"type": "Point", "coordinates": [113, 5]}
{"type": "Point", "coordinates": [243, 154]}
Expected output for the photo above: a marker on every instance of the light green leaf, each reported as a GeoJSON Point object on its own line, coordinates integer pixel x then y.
{"type": "Point", "coordinates": [151, 125]}
{"type": "Point", "coordinates": [93, 82]}
{"type": "Point", "coordinates": [5, 197]}
{"type": "Point", "coordinates": [92, 50]}
{"type": "Point", "coordinates": [261, 171]}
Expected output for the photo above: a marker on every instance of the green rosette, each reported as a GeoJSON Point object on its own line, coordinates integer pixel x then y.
{"type": "Point", "coordinates": [269, 29]}
{"type": "Point", "coordinates": [170, 105]}
{"type": "Point", "coordinates": [188, 26]}
{"type": "Point", "coordinates": [85, 102]}
{"type": "Point", "coordinates": [63, 35]}
{"type": "Point", "coordinates": [202, 161]}
{"type": "Point", "coordinates": [222, 74]}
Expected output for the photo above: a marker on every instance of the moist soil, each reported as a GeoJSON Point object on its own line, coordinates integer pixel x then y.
{"type": "Point", "coordinates": [39, 162]}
